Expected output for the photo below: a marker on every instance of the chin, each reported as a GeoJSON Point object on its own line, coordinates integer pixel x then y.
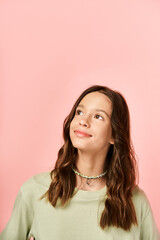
{"type": "Point", "coordinates": [83, 148]}
{"type": "Point", "coordinates": [79, 146]}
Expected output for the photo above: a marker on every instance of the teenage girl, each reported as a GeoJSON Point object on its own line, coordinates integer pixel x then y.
{"type": "Point", "coordinates": [92, 192]}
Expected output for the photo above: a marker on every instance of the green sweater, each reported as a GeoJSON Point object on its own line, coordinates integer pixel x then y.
{"type": "Point", "coordinates": [79, 220]}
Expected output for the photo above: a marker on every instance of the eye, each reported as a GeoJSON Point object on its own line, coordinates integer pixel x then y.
{"type": "Point", "coordinates": [79, 112]}
{"type": "Point", "coordinates": [97, 116]}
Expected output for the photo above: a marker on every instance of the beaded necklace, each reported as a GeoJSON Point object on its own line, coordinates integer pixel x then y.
{"type": "Point", "coordinates": [87, 177]}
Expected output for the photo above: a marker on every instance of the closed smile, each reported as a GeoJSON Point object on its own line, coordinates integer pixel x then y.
{"type": "Point", "coordinates": [82, 134]}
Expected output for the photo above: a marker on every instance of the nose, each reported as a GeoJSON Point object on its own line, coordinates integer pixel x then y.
{"type": "Point", "coordinates": [84, 122]}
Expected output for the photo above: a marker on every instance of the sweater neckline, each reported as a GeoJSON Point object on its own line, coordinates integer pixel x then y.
{"type": "Point", "coordinates": [89, 195]}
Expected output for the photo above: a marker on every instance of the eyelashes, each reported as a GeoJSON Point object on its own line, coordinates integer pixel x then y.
{"type": "Point", "coordinates": [97, 116]}
{"type": "Point", "coordinates": [78, 111]}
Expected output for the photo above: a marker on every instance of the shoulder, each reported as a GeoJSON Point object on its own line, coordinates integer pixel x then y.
{"type": "Point", "coordinates": [145, 215]}
{"type": "Point", "coordinates": [141, 203]}
{"type": "Point", "coordinates": [139, 196]}
{"type": "Point", "coordinates": [36, 186]}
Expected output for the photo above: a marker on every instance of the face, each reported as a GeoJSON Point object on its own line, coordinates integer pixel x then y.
{"type": "Point", "coordinates": [90, 129]}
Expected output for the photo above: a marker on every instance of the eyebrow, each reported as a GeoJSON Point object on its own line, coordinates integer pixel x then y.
{"type": "Point", "coordinates": [98, 110]}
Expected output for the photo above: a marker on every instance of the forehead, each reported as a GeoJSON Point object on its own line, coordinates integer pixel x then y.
{"type": "Point", "coordinates": [96, 100]}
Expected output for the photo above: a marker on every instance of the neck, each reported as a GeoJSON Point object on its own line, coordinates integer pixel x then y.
{"type": "Point", "coordinates": [90, 165]}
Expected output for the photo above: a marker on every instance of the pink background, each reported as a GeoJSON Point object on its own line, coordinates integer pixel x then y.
{"type": "Point", "coordinates": [50, 52]}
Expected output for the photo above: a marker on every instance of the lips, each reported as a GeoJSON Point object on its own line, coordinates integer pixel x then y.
{"type": "Point", "coordinates": [82, 134]}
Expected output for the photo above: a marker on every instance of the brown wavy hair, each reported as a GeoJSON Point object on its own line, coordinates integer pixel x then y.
{"type": "Point", "coordinates": [121, 166]}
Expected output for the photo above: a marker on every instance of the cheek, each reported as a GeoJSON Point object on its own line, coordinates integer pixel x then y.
{"type": "Point", "coordinates": [71, 129]}
{"type": "Point", "coordinates": [106, 132]}
{"type": "Point", "coordinates": [71, 125]}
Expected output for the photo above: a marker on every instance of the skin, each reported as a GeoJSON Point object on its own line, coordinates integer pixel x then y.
{"type": "Point", "coordinates": [92, 148]}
